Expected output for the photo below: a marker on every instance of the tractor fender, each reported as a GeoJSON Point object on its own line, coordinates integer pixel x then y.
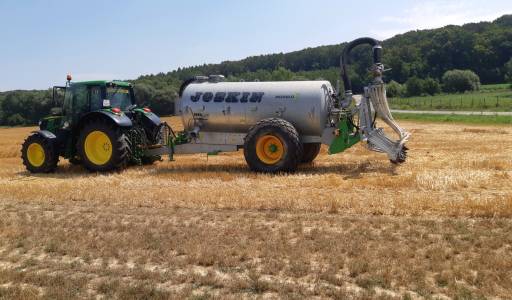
{"type": "Point", "coordinates": [153, 118]}
{"type": "Point", "coordinates": [120, 120]}
{"type": "Point", "coordinates": [45, 133]}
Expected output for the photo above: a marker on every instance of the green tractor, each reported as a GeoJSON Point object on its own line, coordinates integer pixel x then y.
{"type": "Point", "coordinates": [96, 124]}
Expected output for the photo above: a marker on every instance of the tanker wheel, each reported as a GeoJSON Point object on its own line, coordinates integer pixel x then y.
{"type": "Point", "coordinates": [102, 146]}
{"type": "Point", "coordinates": [39, 154]}
{"type": "Point", "coordinates": [311, 151]}
{"type": "Point", "coordinates": [272, 145]}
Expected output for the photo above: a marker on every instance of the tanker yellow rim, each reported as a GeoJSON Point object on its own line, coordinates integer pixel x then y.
{"type": "Point", "coordinates": [98, 147]}
{"type": "Point", "coordinates": [35, 154]}
{"type": "Point", "coordinates": [269, 149]}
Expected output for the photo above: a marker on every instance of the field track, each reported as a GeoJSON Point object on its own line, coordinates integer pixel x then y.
{"type": "Point", "coordinates": [348, 226]}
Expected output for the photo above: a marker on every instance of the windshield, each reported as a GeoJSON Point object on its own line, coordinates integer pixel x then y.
{"type": "Point", "coordinates": [119, 97]}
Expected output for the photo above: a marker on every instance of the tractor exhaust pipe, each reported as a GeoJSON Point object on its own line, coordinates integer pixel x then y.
{"type": "Point", "coordinates": [374, 97]}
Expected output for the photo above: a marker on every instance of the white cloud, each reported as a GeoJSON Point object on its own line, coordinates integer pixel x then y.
{"type": "Point", "coordinates": [437, 13]}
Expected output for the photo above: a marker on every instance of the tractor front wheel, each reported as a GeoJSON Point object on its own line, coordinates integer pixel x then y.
{"type": "Point", "coordinates": [39, 154]}
{"type": "Point", "coordinates": [102, 146]}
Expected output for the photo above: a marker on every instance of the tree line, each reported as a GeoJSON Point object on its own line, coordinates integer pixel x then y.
{"type": "Point", "coordinates": [419, 61]}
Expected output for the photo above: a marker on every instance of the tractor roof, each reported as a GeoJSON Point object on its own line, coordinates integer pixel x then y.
{"type": "Point", "coordinates": [103, 83]}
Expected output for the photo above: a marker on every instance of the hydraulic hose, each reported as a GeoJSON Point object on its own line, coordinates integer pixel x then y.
{"type": "Point", "coordinates": [345, 57]}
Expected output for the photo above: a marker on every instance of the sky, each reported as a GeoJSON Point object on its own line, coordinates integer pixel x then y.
{"type": "Point", "coordinates": [42, 41]}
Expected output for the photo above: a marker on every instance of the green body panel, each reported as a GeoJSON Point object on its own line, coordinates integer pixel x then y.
{"type": "Point", "coordinates": [347, 137]}
{"type": "Point", "coordinates": [51, 123]}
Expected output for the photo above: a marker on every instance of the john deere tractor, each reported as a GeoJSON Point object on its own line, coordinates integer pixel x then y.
{"type": "Point", "coordinates": [98, 125]}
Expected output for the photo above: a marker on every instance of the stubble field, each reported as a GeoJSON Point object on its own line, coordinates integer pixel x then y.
{"type": "Point", "coordinates": [348, 226]}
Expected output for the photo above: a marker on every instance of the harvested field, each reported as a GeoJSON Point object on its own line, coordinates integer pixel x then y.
{"type": "Point", "coordinates": [348, 226]}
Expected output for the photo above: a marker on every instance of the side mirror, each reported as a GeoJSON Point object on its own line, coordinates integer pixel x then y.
{"type": "Point", "coordinates": [56, 111]}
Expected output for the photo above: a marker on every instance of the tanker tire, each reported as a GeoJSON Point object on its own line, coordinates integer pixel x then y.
{"type": "Point", "coordinates": [121, 151]}
{"type": "Point", "coordinates": [51, 157]}
{"type": "Point", "coordinates": [288, 135]}
{"type": "Point", "coordinates": [311, 151]}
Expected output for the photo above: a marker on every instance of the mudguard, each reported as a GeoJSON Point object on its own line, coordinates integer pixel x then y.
{"type": "Point", "coordinates": [152, 118]}
{"type": "Point", "coordinates": [45, 133]}
{"type": "Point", "coordinates": [119, 119]}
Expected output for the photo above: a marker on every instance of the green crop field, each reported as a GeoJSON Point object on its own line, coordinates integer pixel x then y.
{"type": "Point", "coordinates": [450, 118]}
{"type": "Point", "coordinates": [493, 97]}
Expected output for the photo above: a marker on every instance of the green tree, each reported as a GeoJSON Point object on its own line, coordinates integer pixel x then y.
{"type": "Point", "coordinates": [394, 89]}
{"type": "Point", "coordinates": [431, 86]}
{"type": "Point", "coordinates": [508, 70]}
{"type": "Point", "coordinates": [414, 86]}
{"type": "Point", "coordinates": [15, 120]}
{"type": "Point", "coordinates": [282, 74]}
{"type": "Point", "coordinates": [460, 81]}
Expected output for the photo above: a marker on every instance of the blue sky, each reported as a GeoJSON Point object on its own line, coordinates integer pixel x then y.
{"type": "Point", "coordinates": [42, 41]}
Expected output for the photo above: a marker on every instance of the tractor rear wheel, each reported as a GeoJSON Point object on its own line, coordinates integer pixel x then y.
{"type": "Point", "coordinates": [311, 151]}
{"type": "Point", "coordinates": [272, 145]}
{"type": "Point", "coordinates": [102, 146]}
{"type": "Point", "coordinates": [39, 154]}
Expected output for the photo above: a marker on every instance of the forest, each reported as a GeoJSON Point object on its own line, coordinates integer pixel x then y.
{"type": "Point", "coordinates": [425, 56]}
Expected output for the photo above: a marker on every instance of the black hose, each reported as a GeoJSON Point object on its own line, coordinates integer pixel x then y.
{"type": "Point", "coordinates": [345, 57]}
{"type": "Point", "coordinates": [185, 84]}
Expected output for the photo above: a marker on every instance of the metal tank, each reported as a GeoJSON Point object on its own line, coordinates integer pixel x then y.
{"type": "Point", "coordinates": [207, 104]}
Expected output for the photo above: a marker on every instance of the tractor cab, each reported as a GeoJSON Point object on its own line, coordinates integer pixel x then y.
{"type": "Point", "coordinates": [97, 124]}
{"type": "Point", "coordinates": [75, 100]}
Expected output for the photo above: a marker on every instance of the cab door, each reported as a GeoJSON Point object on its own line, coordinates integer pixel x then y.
{"type": "Point", "coordinates": [95, 98]}
{"type": "Point", "coordinates": [75, 104]}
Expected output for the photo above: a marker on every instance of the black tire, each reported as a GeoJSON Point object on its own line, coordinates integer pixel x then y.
{"type": "Point", "coordinates": [50, 156]}
{"type": "Point", "coordinates": [120, 150]}
{"type": "Point", "coordinates": [289, 139]}
{"type": "Point", "coordinates": [311, 151]}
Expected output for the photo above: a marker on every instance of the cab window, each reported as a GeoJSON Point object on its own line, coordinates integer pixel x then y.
{"type": "Point", "coordinates": [119, 97]}
{"type": "Point", "coordinates": [95, 99]}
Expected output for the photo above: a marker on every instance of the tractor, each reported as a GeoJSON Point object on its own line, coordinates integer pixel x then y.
{"type": "Point", "coordinates": [96, 124]}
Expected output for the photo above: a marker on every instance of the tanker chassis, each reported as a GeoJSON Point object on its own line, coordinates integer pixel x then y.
{"type": "Point", "coordinates": [282, 124]}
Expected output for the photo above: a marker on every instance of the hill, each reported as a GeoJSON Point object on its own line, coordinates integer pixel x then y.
{"type": "Point", "coordinates": [483, 47]}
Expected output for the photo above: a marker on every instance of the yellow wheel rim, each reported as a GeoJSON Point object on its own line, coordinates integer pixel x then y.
{"type": "Point", "coordinates": [35, 154]}
{"type": "Point", "coordinates": [98, 147]}
{"type": "Point", "coordinates": [269, 149]}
